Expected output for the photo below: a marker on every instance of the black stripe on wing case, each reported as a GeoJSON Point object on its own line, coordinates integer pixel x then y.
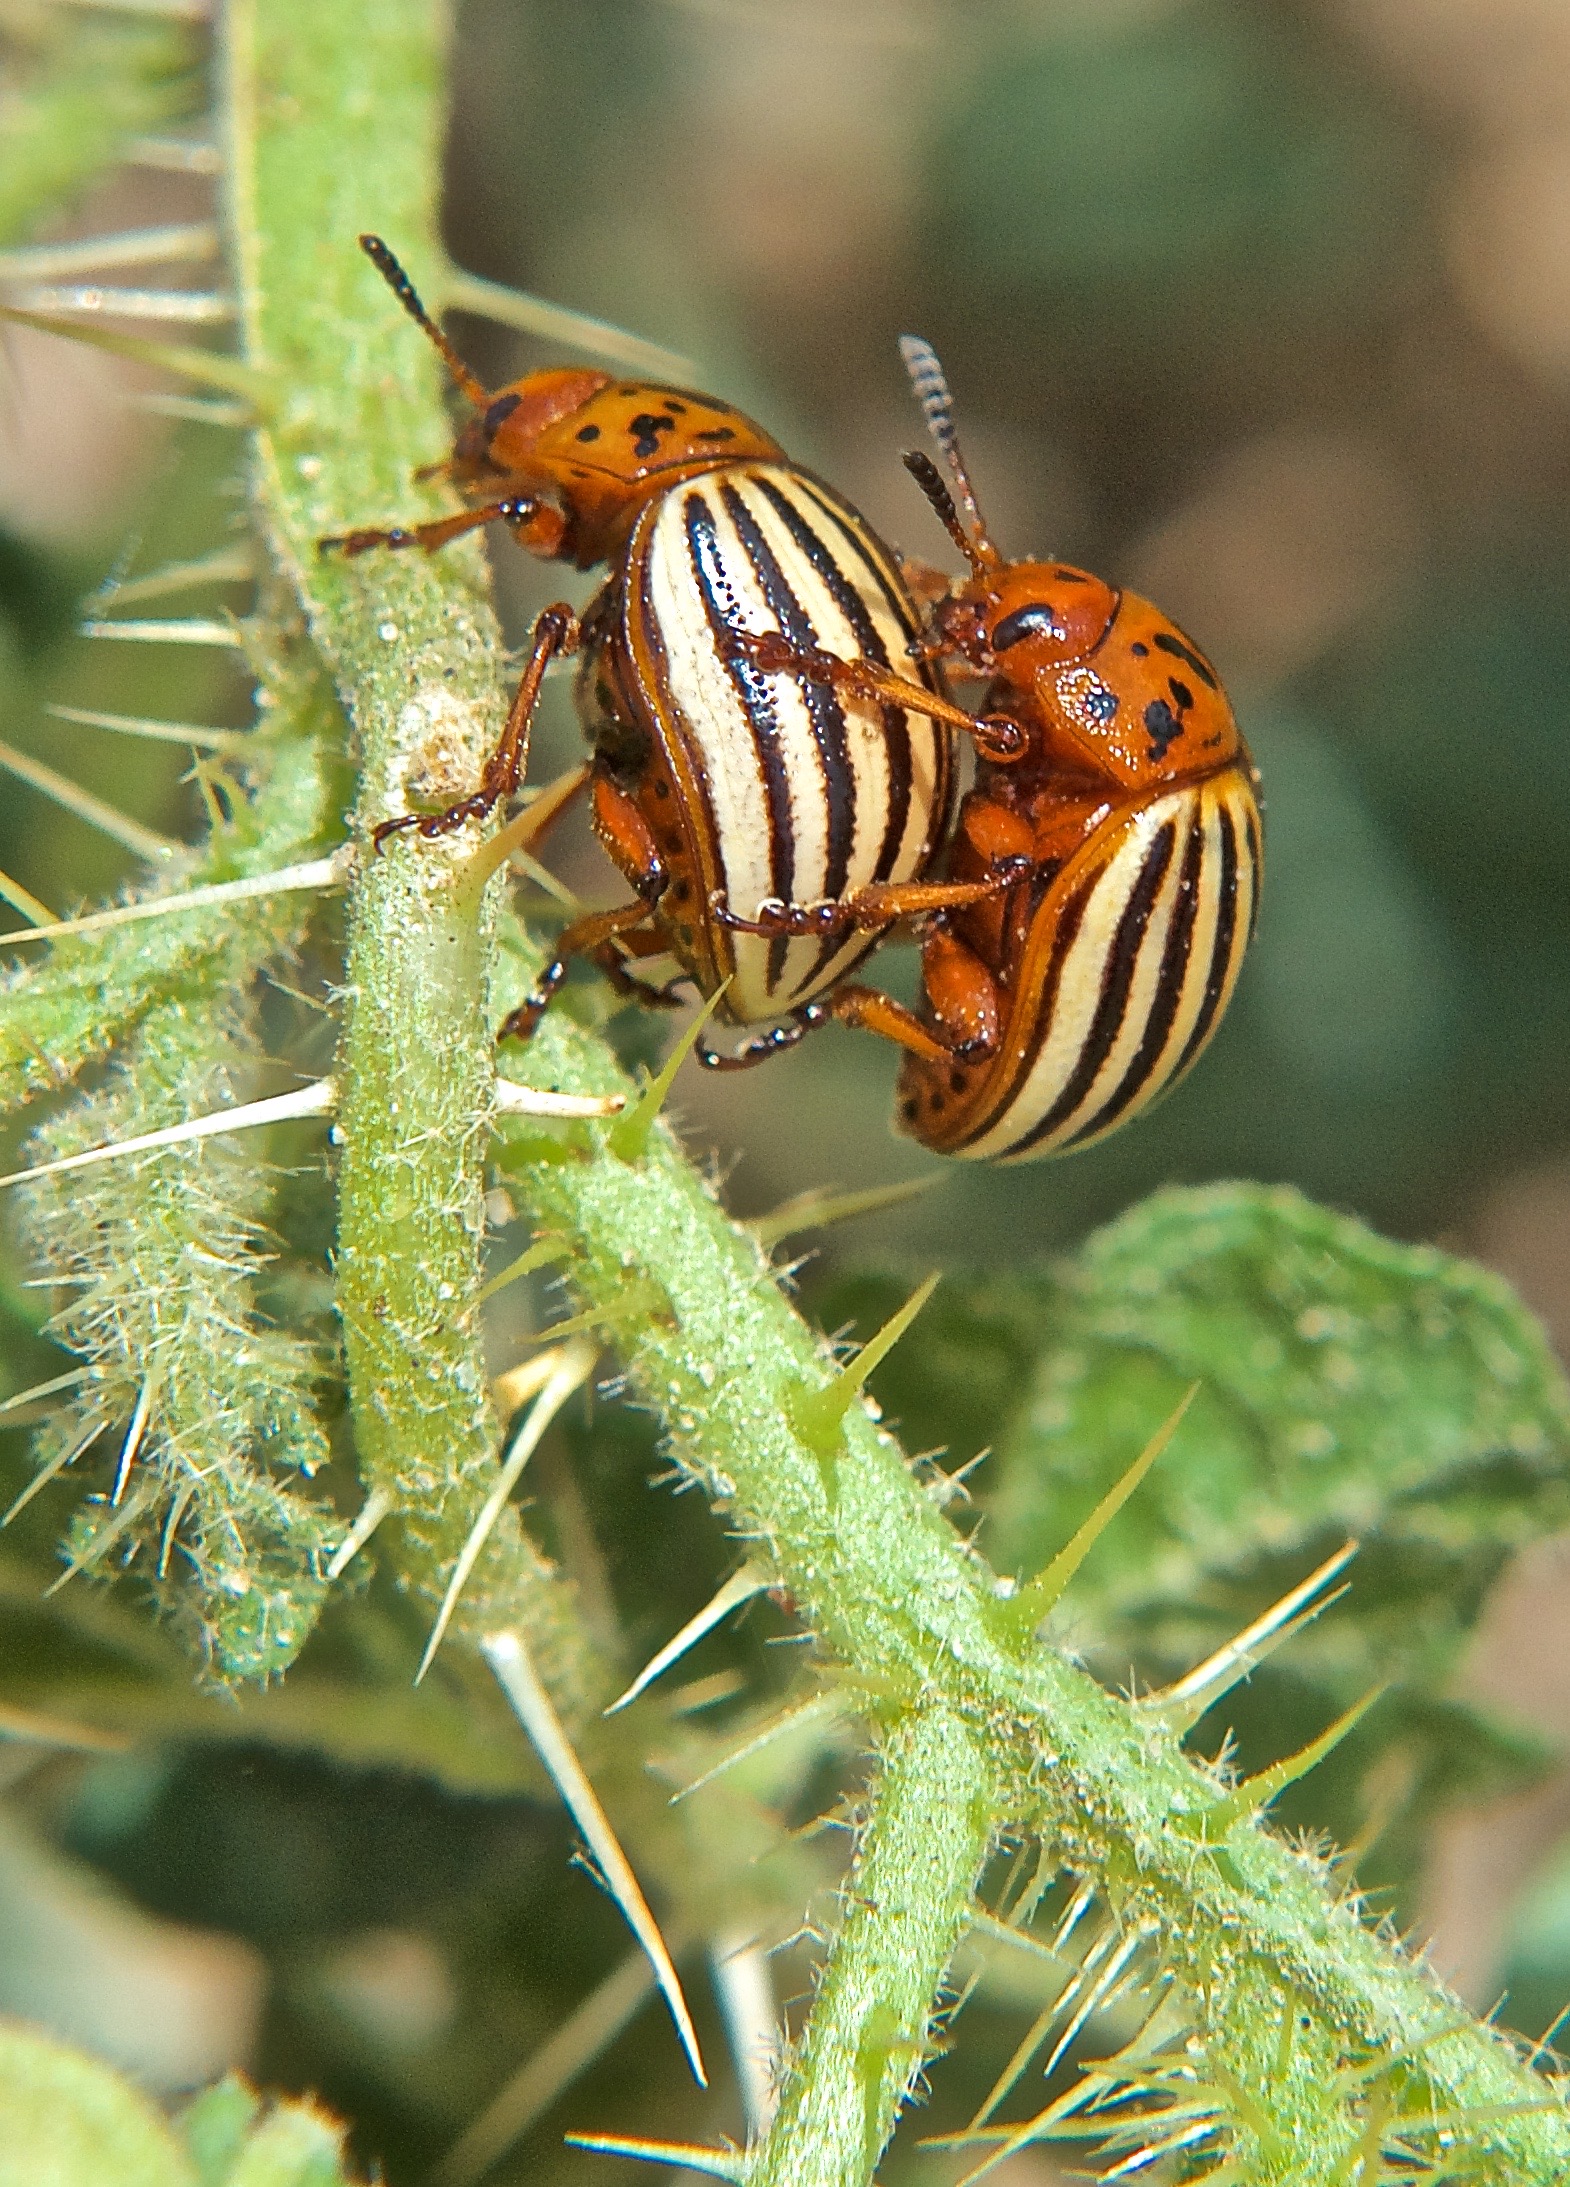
{"type": "Point", "coordinates": [1171, 983]}
{"type": "Point", "coordinates": [752, 687]}
{"type": "Point", "coordinates": [861, 545]}
{"type": "Point", "coordinates": [824, 712]}
{"type": "Point", "coordinates": [1116, 980]}
{"type": "Point", "coordinates": [869, 642]}
{"type": "Point", "coordinates": [1221, 946]}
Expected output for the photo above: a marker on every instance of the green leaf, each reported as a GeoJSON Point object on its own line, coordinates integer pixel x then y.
{"type": "Point", "coordinates": [68, 2121]}
{"type": "Point", "coordinates": [1350, 1386]}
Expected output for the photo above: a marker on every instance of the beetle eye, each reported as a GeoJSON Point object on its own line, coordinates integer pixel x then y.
{"type": "Point", "coordinates": [1036, 621]}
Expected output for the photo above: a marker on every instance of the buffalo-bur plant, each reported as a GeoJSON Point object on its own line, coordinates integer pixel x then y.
{"type": "Point", "coordinates": [1240, 1444]}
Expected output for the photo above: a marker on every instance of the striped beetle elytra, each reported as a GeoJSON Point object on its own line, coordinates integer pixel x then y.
{"type": "Point", "coordinates": [1121, 835]}
{"type": "Point", "coordinates": [719, 789]}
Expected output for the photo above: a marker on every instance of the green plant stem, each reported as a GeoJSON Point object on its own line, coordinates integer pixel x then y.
{"type": "Point", "coordinates": [335, 127]}
{"type": "Point", "coordinates": [906, 1904]}
{"type": "Point", "coordinates": [879, 1574]}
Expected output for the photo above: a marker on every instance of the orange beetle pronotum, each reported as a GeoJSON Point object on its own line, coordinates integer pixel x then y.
{"type": "Point", "coordinates": [1118, 838]}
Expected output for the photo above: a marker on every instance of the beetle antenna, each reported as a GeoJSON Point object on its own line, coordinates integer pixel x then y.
{"type": "Point", "coordinates": [937, 407]}
{"type": "Point", "coordinates": [933, 484]}
{"type": "Point", "coordinates": [404, 289]}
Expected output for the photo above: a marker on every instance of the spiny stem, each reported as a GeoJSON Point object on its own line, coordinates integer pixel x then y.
{"type": "Point", "coordinates": [333, 133]}
{"type": "Point", "coordinates": [905, 1906]}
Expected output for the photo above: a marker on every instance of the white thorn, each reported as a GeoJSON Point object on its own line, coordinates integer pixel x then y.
{"type": "Point", "coordinates": [133, 1439]}
{"type": "Point", "coordinates": [170, 630]}
{"type": "Point", "coordinates": [1237, 1657]}
{"type": "Point", "coordinates": [45, 1474]}
{"type": "Point", "coordinates": [514, 1386]}
{"type": "Point", "coordinates": [202, 409]}
{"type": "Point", "coordinates": [507, 307]}
{"type": "Point", "coordinates": [678, 2156]}
{"type": "Point", "coordinates": [1102, 1986]}
{"type": "Point", "coordinates": [225, 566]}
{"type": "Point", "coordinates": [138, 725]}
{"type": "Point", "coordinates": [744, 1985]}
{"type": "Point", "coordinates": [41, 1390]}
{"type": "Point", "coordinates": [739, 1588]}
{"type": "Point", "coordinates": [827, 1704]}
{"type": "Point", "coordinates": [86, 254]}
{"type": "Point", "coordinates": [569, 1366]}
{"type": "Point", "coordinates": [570, 2047]}
{"type": "Point", "coordinates": [318, 1099]}
{"type": "Point", "coordinates": [184, 307]}
{"type": "Point", "coordinates": [372, 1512]}
{"type": "Point", "coordinates": [24, 901]}
{"type": "Point", "coordinates": [145, 842]}
{"type": "Point", "coordinates": [515, 1100]}
{"type": "Point", "coordinates": [515, 1674]}
{"type": "Point", "coordinates": [314, 873]}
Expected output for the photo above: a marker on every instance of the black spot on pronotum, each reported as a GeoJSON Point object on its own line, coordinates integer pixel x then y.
{"type": "Point", "coordinates": [716, 432]}
{"type": "Point", "coordinates": [1036, 621]}
{"type": "Point", "coordinates": [500, 411]}
{"type": "Point", "coordinates": [1181, 692]}
{"type": "Point", "coordinates": [1139, 651]}
{"type": "Point", "coordinates": [1072, 577]}
{"type": "Point", "coordinates": [1100, 703]}
{"type": "Point", "coordinates": [646, 429]}
{"type": "Point", "coordinates": [588, 432]}
{"type": "Point", "coordinates": [1170, 642]}
{"type": "Point", "coordinates": [1163, 726]}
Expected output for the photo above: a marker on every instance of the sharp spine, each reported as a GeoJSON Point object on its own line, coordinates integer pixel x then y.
{"type": "Point", "coordinates": [318, 1099]}
{"type": "Point", "coordinates": [741, 1587]}
{"type": "Point", "coordinates": [168, 307]}
{"type": "Point", "coordinates": [515, 1673]}
{"type": "Point", "coordinates": [175, 244]}
{"type": "Point", "coordinates": [144, 842]}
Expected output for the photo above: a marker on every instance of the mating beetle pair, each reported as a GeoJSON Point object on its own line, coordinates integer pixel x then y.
{"type": "Point", "coordinates": [773, 759]}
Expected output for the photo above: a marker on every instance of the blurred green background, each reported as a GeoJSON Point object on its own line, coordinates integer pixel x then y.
{"type": "Point", "coordinates": [1262, 308]}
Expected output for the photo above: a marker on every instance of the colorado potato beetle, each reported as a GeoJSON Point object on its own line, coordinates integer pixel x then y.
{"type": "Point", "coordinates": [714, 784]}
{"type": "Point", "coordinates": [1121, 836]}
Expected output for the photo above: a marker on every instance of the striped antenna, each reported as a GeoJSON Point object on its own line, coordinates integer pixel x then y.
{"type": "Point", "coordinates": [937, 407]}
{"type": "Point", "coordinates": [404, 289]}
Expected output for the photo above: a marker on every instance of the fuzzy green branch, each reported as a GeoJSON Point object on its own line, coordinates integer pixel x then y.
{"type": "Point", "coordinates": [906, 1906]}
{"type": "Point", "coordinates": [334, 128]}
{"type": "Point", "coordinates": [878, 1573]}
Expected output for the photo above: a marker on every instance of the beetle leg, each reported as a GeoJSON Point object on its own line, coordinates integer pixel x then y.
{"type": "Point", "coordinates": [637, 942]}
{"type": "Point", "coordinates": [523, 514]}
{"type": "Point", "coordinates": [996, 736]}
{"type": "Point", "coordinates": [585, 937]}
{"type": "Point", "coordinates": [808, 1019]}
{"type": "Point", "coordinates": [555, 632]}
{"type": "Point", "coordinates": [879, 904]}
